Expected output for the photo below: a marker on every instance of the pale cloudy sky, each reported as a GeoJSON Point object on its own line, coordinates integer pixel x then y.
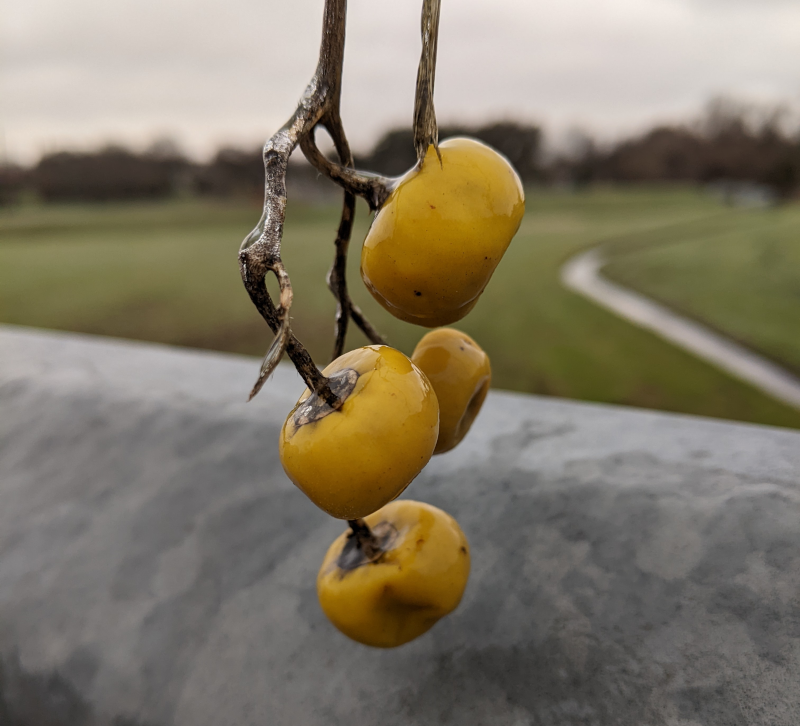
{"type": "Point", "coordinates": [78, 73]}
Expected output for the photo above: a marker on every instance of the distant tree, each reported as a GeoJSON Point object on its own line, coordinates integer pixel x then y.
{"type": "Point", "coordinates": [13, 180]}
{"type": "Point", "coordinates": [520, 144]}
{"type": "Point", "coordinates": [746, 142]}
{"type": "Point", "coordinates": [580, 162]}
{"type": "Point", "coordinates": [666, 153]}
{"type": "Point", "coordinates": [232, 172]}
{"type": "Point", "coordinates": [112, 173]}
{"type": "Point", "coordinates": [394, 154]}
{"type": "Point", "coordinates": [240, 173]}
{"type": "Point", "coordinates": [731, 142]}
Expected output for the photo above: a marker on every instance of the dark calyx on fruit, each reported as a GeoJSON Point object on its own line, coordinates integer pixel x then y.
{"type": "Point", "coordinates": [314, 408]}
{"type": "Point", "coordinates": [365, 545]}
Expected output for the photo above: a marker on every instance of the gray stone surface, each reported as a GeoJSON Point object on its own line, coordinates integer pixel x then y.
{"type": "Point", "coordinates": [157, 567]}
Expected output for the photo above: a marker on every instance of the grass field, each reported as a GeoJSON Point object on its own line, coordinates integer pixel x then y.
{"type": "Point", "coordinates": [168, 272]}
{"type": "Point", "coordinates": [740, 276]}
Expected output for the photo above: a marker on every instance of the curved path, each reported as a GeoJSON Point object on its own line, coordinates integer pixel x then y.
{"type": "Point", "coordinates": [581, 274]}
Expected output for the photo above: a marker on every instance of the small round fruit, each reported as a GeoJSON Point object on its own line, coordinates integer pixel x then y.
{"type": "Point", "coordinates": [353, 460]}
{"type": "Point", "coordinates": [460, 373]}
{"type": "Point", "coordinates": [437, 239]}
{"type": "Point", "coordinates": [418, 578]}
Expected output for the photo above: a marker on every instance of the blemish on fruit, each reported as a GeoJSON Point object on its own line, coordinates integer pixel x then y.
{"type": "Point", "coordinates": [417, 293]}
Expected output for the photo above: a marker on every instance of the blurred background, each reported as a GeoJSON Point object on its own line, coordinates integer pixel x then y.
{"type": "Point", "coordinates": [666, 130]}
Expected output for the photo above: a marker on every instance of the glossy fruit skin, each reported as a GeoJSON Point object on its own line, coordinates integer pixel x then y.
{"type": "Point", "coordinates": [460, 373]}
{"type": "Point", "coordinates": [354, 460]}
{"type": "Point", "coordinates": [437, 239]}
{"type": "Point", "coordinates": [397, 598]}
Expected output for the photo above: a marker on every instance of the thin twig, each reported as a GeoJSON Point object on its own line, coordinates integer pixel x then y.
{"type": "Point", "coordinates": [366, 327]}
{"type": "Point", "coordinates": [260, 253]}
{"type": "Point", "coordinates": [294, 348]}
{"type": "Point", "coordinates": [426, 130]}
{"type": "Point", "coordinates": [337, 276]}
{"type": "Point", "coordinates": [374, 188]}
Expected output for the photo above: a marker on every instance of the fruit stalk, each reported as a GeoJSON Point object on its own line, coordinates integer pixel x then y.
{"type": "Point", "coordinates": [363, 545]}
{"type": "Point", "coordinates": [361, 532]}
{"type": "Point", "coordinates": [337, 276]}
{"type": "Point", "coordinates": [426, 130]}
{"type": "Point", "coordinates": [373, 188]}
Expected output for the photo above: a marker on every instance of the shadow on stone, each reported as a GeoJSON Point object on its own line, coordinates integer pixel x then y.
{"type": "Point", "coordinates": [46, 699]}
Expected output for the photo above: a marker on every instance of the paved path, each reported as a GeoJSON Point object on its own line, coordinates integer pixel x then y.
{"type": "Point", "coordinates": [582, 275]}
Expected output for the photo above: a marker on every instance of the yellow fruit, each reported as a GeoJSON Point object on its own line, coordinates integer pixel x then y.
{"type": "Point", "coordinates": [437, 239]}
{"type": "Point", "coordinates": [352, 461]}
{"type": "Point", "coordinates": [418, 579]}
{"type": "Point", "coordinates": [460, 374]}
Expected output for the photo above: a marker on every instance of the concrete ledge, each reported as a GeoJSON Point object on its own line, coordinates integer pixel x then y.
{"type": "Point", "coordinates": [157, 567]}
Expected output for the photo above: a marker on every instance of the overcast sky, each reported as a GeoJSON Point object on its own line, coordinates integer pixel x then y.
{"type": "Point", "coordinates": [79, 73]}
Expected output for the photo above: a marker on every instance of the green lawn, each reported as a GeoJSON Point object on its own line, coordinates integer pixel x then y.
{"type": "Point", "coordinates": [168, 272]}
{"type": "Point", "coordinates": [740, 276]}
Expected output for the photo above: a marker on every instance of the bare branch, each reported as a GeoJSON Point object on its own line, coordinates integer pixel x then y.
{"type": "Point", "coordinates": [278, 322]}
{"type": "Point", "coordinates": [374, 188]}
{"type": "Point", "coordinates": [282, 335]}
{"type": "Point", "coordinates": [426, 131]}
{"type": "Point", "coordinates": [337, 277]}
{"type": "Point", "coordinates": [260, 252]}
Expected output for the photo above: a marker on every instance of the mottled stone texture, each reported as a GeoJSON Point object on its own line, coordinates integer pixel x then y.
{"type": "Point", "coordinates": [157, 567]}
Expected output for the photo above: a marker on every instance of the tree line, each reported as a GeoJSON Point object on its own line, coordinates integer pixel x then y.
{"type": "Point", "coordinates": [730, 143]}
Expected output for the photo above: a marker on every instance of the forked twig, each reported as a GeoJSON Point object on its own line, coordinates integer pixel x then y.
{"type": "Point", "coordinates": [260, 252]}
{"type": "Point", "coordinates": [374, 188]}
